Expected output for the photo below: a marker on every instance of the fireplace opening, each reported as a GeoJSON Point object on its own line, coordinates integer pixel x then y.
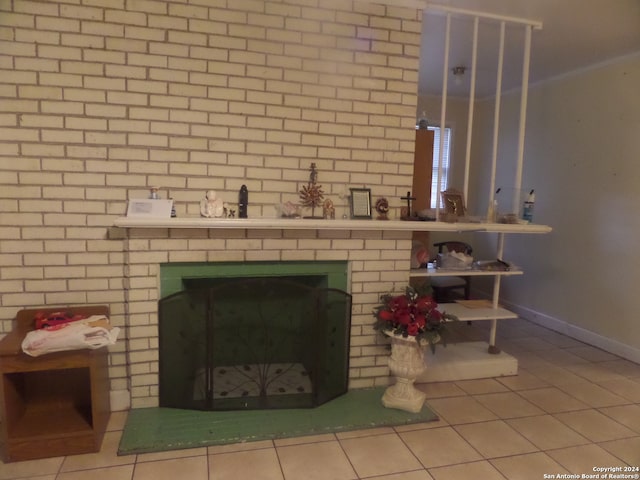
{"type": "Point", "coordinates": [253, 343]}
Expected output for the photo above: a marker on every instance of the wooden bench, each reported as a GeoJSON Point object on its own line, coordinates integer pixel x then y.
{"type": "Point", "coordinates": [56, 404]}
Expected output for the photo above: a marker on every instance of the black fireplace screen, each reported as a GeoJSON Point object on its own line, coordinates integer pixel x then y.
{"type": "Point", "coordinates": [253, 343]}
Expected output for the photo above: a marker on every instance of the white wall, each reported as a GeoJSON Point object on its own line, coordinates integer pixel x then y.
{"type": "Point", "coordinates": [582, 153]}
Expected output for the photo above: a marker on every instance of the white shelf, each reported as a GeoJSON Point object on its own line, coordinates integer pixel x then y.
{"type": "Point", "coordinates": [467, 314]}
{"type": "Point", "coordinates": [466, 361]}
{"type": "Point", "coordinates": [442, 272]}
{"type": "Point", "coordinates": [321, 224]}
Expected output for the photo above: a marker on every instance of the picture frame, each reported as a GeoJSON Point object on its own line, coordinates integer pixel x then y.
{"type": "Point", "coordinates": [453, 202]}
{"type": "Point", "coordinates": [360, 203]}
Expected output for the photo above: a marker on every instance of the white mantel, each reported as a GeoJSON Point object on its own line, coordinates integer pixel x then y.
{"type": "Point", "coordinates": [322, 224]}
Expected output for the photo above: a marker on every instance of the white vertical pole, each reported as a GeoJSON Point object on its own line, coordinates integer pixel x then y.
{"type": "Point", "coordinates": [496, 297]}
{"type": "Point", "coordinates": [443, 107]}
{"type": "Point", "coordinates": [496, 114]}
{"type": "Point", "coordinates": [523, 118]}
{"type": "Point", "coordinates": [472, 96]}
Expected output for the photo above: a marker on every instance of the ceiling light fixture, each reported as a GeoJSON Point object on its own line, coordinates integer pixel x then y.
{"type": "Point", "coordinates": [458, 73]}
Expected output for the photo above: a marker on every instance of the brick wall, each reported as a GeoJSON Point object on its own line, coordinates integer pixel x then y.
{"type": "Point", "coordinates": [101, 99]}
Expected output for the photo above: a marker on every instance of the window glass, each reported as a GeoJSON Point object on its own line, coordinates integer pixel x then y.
{"type": "Point", "coordinates": [435, 188]}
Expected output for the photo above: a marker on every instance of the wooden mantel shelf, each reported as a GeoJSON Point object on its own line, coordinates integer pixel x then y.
{"type": "Point", "coordinates": [321, 224]}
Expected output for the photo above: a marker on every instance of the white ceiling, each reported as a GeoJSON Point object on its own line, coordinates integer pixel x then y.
{"type": "Point", "coordinates": [575, 34]}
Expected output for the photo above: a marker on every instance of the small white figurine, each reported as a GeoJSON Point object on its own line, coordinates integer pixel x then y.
{"type": "Point", "coordinates": [211, 205]}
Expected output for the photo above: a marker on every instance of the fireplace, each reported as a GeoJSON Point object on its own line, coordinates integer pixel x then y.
{"type": "Point", "coordinates": [254, 336]}
{"type": "Point", "coordinates": [365, 261]}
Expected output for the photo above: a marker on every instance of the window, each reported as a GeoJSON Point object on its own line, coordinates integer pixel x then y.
{"type": "Point", "coordinates": [435, 189]}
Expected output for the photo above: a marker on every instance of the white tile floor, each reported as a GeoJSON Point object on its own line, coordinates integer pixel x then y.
{"type": "Point", "coordinates": [571, 408]}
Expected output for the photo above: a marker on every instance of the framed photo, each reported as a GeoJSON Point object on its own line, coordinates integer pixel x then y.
{"type": "Point", "coordinates": [360, 201]}
{"type": "Point", "coordinates": [453, 202]}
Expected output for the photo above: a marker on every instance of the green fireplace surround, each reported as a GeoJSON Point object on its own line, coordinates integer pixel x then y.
{"type": "Point", "coordinates": [172, 275]}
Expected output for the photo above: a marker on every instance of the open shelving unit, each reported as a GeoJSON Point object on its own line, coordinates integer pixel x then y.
{"type": "Point", "coordinates": [493, 313]}
{"type": "Point", "coordinates": [465, 365]}
{"type": "Point", "coordinates": [463, 312]}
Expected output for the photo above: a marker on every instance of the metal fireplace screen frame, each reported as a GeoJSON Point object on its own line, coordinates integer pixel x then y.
{"type": "Point", "coordinates": [253, 343]}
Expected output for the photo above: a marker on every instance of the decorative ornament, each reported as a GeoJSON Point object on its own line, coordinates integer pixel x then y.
{"type": "Point", "coordinates": [312, 195]}
{"type": "Point", "coordinates": [243, 202]}
{"type": "Point", "coordinates": [211, 205]}
{"type": "Point", "coordinates": [328, 210]}
{"type": "Point", "coordinates": [406, 214]}
{"type": "Point", "coordinates": [382, 207]}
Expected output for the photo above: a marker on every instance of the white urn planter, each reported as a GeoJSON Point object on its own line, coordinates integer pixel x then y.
{"type": "Point", "coordinates": [406, 364]}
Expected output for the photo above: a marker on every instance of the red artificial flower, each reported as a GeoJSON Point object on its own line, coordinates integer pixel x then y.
{"type": "Point", "coordinates": [386, 315]}
{"type": "Point", "coordinates": [412, 329]}
{"type": "Point", "coordinates": [425, 304]}
{"type": "Point", "coordinates": [403, 318]}
{"type": "Point", "coordinates": [399, 302]}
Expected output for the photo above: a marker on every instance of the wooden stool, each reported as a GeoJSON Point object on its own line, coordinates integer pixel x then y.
{"type": "Point", "coordinates": [56, 404]}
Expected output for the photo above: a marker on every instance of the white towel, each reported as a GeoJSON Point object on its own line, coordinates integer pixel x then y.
{"type": "Point", "coordinates": [92, 332]}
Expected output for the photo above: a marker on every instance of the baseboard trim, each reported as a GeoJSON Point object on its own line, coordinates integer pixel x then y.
{"type": "Point", "coordinates": [578, 333]}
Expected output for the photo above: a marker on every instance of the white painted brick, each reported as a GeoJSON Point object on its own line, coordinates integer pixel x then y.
{"type": "Point", "coordinates": [85, 123]}
{"type": "Point", "coordinates": [188, 38]}
{"type": "Point", "coordinates": [88, 284]}
{"type": "Point", "coordinates": [39, 206]}
{"type": "Point", "coordinates": [199, 150]}
{"type": "Point", "coordinates": [64, 271]}
{"type": "Point", "coordinates": [191, 65]}
{"type": "Point", "coordinates": [125, 17]}
{"type": "Point", "coordinates": [105, 138]}
{"type": "Point", "coordinates": [59, 52]}
{"type": "Point", "coordinates": [82, 95]}
{"type": "Point", "coordinates": [13, 286]}
{"type": "Point", "coordinates": [22, 299]}
{"type": "Point", "coordinates": [6, 33]}
{"type": "Point", "coordinates": [82, 40]}
{"type": "Point", "coordinates": [148, 6]}
{"type": "Point", "coordinates": [144, 380]}
{"type": "Point", "coordinates": [65, 298]}
{"type": "Point", "coordinates": [19, 49]}
{"type": "Point", "coordinates": [83, 12]}
{"type": "Point", "coordinates": [102, 83]}
{"type": "Point", "coordinates": [138, 343]}
{"type": "Point", "coordinates": [188, 11]}
{"type": "Point", "coordinates": [20, 105]}
{"type": "Point", "coordinates": [84, 207]}
{"type": "Point", "coordinates": [19, 77]}
{"type": "Point", "coordinates": [32, 7]}
{"type": "Point", "coordinates": [207, 26]}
